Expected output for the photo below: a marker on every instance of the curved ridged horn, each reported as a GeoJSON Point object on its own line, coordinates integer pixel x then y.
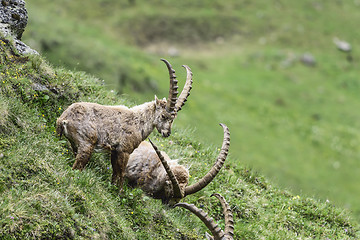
{"type": "Point", "coordinates": [186, 90]}
{"type": "Point", "coordinates": [203, 182]}
{"type": "Point", "coordinates": [176, 189]}
{"type": "Point", "coordinates": [171, 101]}
{"type": "Point", "coordinates": [209, 222]}
{"type": "Point", "coordinates": [229, 219]}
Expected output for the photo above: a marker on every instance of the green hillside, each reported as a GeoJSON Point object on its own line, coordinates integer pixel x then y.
{"type": "Point", "coordinates": [295, 123]}
{"type": "Point", "coordinates": [42, 198]}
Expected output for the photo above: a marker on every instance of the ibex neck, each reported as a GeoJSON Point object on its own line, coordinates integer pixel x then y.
{"type": "Point", "coordinates": [145, 117]}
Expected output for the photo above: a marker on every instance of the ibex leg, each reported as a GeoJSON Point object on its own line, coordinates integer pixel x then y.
{"type": "Point", "coordinates": [73, 147]}
{"type": "Point", "coordinates": [118, 161]}
{"type": "Point", "coordinates": [83, 156]}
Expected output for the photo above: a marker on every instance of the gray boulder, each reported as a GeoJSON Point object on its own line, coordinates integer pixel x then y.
{"type": "Point", "coordinates": [13, 20]}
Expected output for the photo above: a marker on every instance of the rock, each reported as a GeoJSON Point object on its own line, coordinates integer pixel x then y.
{"type": "Point", "coordinates": [13, 13]}
{"type": "Point", "coordinates": [23, 48]}
{"type": "Point", "coordinates": [39, 87]}
{"type": "Point", "coordinates": [308, 59]}
{"type": "Point", "coordinates": [342, 45]}
{"type": "Point", "coordinates": [13, 20]}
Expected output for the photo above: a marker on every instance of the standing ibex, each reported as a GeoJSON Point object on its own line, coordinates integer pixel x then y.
{"type": "Point", "coordinates": [119, 129]}
{"type": "Point", "coordinates": [165, 179]}
{"type": "Point", "coordinates": [217, 233]}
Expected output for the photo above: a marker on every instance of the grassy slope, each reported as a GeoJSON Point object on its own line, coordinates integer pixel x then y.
{"type": "Point", "coordinates": [294, 123]}
{"type": "Point", "coordinates": [41, 197]}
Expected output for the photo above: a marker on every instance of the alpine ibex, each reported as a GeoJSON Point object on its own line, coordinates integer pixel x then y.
{"type": "Point", "coordinates": [118, 129]}
{"type": "Point", "coordinates": [165, 179]}
{"type": "Point", "coordinates": [217, 233]}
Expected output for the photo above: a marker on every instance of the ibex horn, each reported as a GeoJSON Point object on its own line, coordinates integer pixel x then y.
{"type": "Point", "coordinates": [209, 222]}
{"type": "Point", "coordinates": [229, 219]}
{"type": "Point", "coordinates": [203, 182]}
{"type": "Point", "coordinates": [186, 90]}
{"type": "Point", "coordinates": [175, 184]}
{"type": "Point", "coordinates": [171, 101]}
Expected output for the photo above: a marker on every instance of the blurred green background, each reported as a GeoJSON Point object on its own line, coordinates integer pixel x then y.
{"type": "Point", "coordinates": [268, 69]}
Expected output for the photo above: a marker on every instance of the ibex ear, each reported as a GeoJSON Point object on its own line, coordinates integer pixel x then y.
{"type": "Point", "coordinates": [157, 101]}
{"type": "Point", "coordinates": [160, 103]}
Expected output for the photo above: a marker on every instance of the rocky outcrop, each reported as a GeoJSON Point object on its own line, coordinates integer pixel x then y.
{"type": "Point", "coordinates": [13, 20]}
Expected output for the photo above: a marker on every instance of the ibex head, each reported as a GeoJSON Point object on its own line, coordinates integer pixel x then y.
{"type": "Point", "coordinates": [182, 177]}
{"type": "Point", "coordinates": [166, 110]}
{"type": "Point", "coordinates": [217, 233]}
{"type": "Point", "coordinates": [177, 188]}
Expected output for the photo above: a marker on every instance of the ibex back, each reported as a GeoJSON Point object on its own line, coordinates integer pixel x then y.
{"type": "Point", "coordinates": [119, 129]}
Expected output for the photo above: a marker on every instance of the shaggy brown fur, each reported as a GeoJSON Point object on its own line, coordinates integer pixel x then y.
{"type": "Point", "coordinates": [145, 170]}
{"type": "Point", "coordinates": [118, 129]}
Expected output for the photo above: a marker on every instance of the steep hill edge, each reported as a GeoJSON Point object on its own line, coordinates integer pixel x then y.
{"type": "Point", "coordinates": [42, 197]}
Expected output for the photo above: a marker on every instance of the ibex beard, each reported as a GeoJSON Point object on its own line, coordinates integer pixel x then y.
{"type": "Point", "coordinates": [119, 129]}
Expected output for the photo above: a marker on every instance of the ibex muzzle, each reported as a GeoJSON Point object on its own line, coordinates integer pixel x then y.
{"type": "Point", "coordinates": [119, 129]}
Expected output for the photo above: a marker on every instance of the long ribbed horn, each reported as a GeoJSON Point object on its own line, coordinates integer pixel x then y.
{"type": "Point", "coordinates": [186, 90]}
{"type": "Point", "coordinates": [209, 222]}
{"type": "Point", "coordinates": [229, 219]}
{"type": "Point", "coordinates": [203, 182]}
{"type": "Point", "coordinates": [171, 101]}
{"type": "Point", "coordinates": [175, 184]}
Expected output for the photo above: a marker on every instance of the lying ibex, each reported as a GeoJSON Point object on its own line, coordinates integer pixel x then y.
{"type": "Point", "coordinates": [119, 129]}
{"type": "Point", "coordinates": [165, 179]}
{"type": "Point", "coordinates": [217, 233]}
